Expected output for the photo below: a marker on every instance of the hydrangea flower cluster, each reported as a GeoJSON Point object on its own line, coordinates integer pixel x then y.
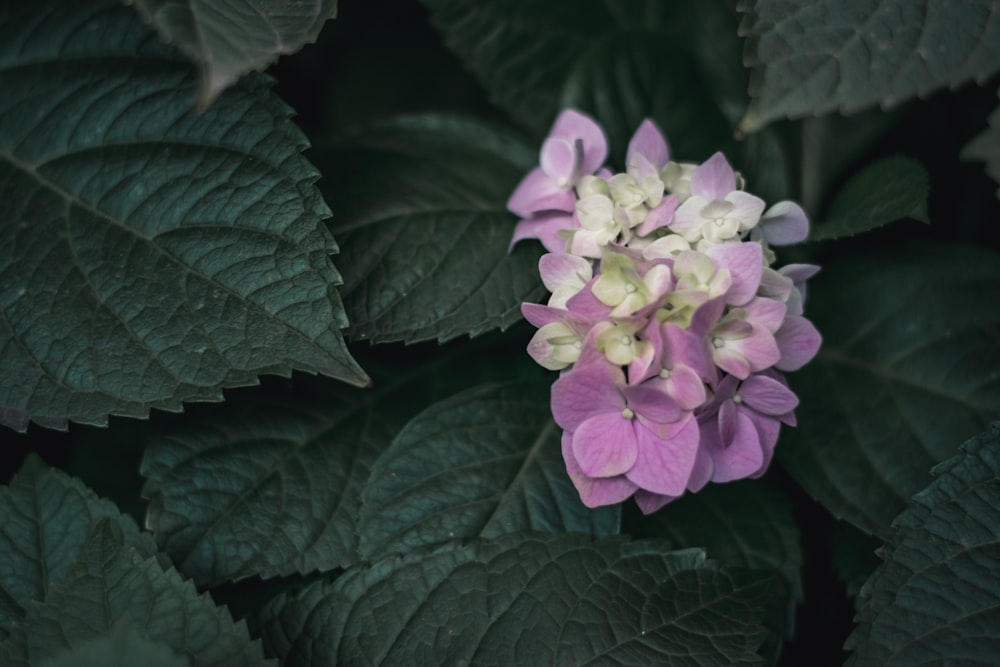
{"type": "Point", "coordinates": [667, 319]}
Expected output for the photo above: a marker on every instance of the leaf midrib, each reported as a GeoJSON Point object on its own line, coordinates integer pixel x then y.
{"type": "Point", "coordinates": [73, 200]}
{"type": "Point", "coordinates": [835, 355]}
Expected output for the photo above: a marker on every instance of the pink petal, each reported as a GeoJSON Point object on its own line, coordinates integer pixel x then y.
{"type": "Point", "coordinates": [784, 223]}
{"type": "Point", "coordinates": [650, 502]}
{"type": "Point", "coordinates": [745, 262]}
{"type": "Point", "coordinates": [731, 361]}
{"type": "Point", "coordinates": [746, 207]}
{"type": "Point", "coordinates": [540, 315]}
{"type": "Point", "coordinates": [559, 160]}
{"type": "Point", "coordinates": [649, 142]}
{"type": "Point", "coordinates": [664, 466]}
{"type": "Point", "coordinates": [687, 219]}
{"type": "Point", "coordinates": [594, 492]}
{"type": "Point", "coordinates": [727, 423]}
{"type": "Point", "coordinates": [760, 349]}
{"type": "Point", "coordinates": [799, 341]}
{"type": "Point", "coordinates": [686, 387]}
{"type": "Point", "coordinates": [706, 316]}
{"type": "Point", "coordinates": [537, 192]}
{"type": "Point", "coordinates": [773, 285]}
{"type": "Point", "coordinates": [682, 347]}
{"type": "Point", "coordinates": [713, 179]}
{"type": "Point", "coordinates": [767, 395]}
{"type": "Point", "coordinates": [585, 392]}
{"type": "Point", "coordinates": [605, 445]}
{"type": "Point", "coordinates": [545, 227]}
{"type": "Point", "coordinates": [765, 312]}
{"type": "Point", "coordinates": [743, 457]}
{"type": "Point", "coordinates": [572, 125]}
{"type": "Point", "coordinates": [585, 304]}
{"type": "Point", "coordinates": [799, 273]}
{"type": "Point", "coordinates": [703, 468]}
{"type": "Point", "coordinates": [659, 217]}
{"type": "Point", "coordinates": [767, 430]}
{"type": "Point", "coordinates": [652, 404]}
{"type": "Point", "coordinates": [559, 268]}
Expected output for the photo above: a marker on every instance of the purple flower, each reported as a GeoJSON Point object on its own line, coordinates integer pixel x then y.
{"type": "Point", "coordinates": [676, 364]}
{"type": "Point", "coordinates": [620, 430]}
{"type": "Point", "coordinates": [545, 199]}
{"type": "Point", "coordinates": [784, 223]}
{"type": "Point", "coordinates": [739, 428]}
{"type": "Point", "coordinates": [716, 210]}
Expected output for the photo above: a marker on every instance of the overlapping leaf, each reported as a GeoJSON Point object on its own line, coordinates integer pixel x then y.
{"type": "Point", "coordinates": [109, 586]}
{"type": "Point", "coordinates": [909, 366]}
{"type": "Point", "coordinates": [229, 39]}
{"type": "Point", "coordinates": [936, 599]}
{"type": "Point", "coordinates": [883, 192]}
{"type": "Point", "coordinates": [153, 255]}
{"type": "Point", "coordinates": [481, 464]}
{"type": "Point", "coordinates": [986, 147]}
{"type": "Point", "coordinates": [421, 214]}
{"type": "Point", "coordinates": [123, 647]}
{"type": "Point", "coordinates": [521, 50]}
{"type": "Point", "coordinates": [47, 518]}
{"type": "Point", "coordinates": [814, 57]}
{"type": "Point", "coordinates": [624, 78]}
{"type": "Point", "coordinates": [525, 599]}
{"type": "Point", "coordinates": [745, 524]}
{"type": "Point", "coordinates": [271, 484]}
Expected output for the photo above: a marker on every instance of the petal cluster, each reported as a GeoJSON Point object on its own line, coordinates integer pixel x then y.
{"type": "Point", "coordinates": [668, 321]}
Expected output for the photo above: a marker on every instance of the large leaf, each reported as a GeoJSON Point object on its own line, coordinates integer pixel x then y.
{"type": "Point", "coordinates": [421, 213]}
{"type": "Point", "coordinates": [153, 255]}
{"type": "Point", "coordinates": [483, 463]}
{"type": "Point", "coordinates": [521, 50]}
{"type": "Point", "coordinates": [624, 78]}
{"type": "Point", "coordinates": [908, 367]}
{"type": "Point", "coordinates": [229, 39]}
{"type": "Point", "coordinates": [110, 586]}
{"type": "Point", "coordinates": [986, 147]}
{"type": "Point", "coordinates": [816, 56]}
{"type": "Point", "coordinates": [123, 647]}
{"type": "Point", "coordinates": [47, 517]}
{"type": "Point", "coordinates": [270, 484]}
{"type": "Point", "coordinates": [936, 599]}
{"type": "Point", "coordinates": [525, 599]}
{"type": "Point", "coordinates": [883, 192]}
{"type": "Point", "coordinates": [747, 524]}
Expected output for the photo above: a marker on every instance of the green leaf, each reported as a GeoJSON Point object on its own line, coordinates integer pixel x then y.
{"type": "Point", "coordinates": [907, 368]}
{"type": "Point", "coordinates": [47, 517]}
{"type": "Point", "coordinates": [888, 190]}
{"type": "Point", "coordinates": [813, 57]}
{"type": "Point", "coordinates": [110, 585]}
{"type": "Point", "coordinates": [936, 598]}
{"type": "Point", "coordinates": [481, 464]}
{"type": "Point", "coordinates": [153, 255]}
{"type": "Point", "coordinates": [124, 647]}
{"type": "Point", "coordinates": [624, 78]}
{"type": "Point", "coordinates": [986, 147]}
{"type": "Point", "coordinates": [747, 524]}
{"type": "Point", "coordinates": [521, 50]}
{"type": "Point", "coordinates": [524, 599]}
{"type": "Point", "coordinates": [232, 38]}
{"type": "Point", "coordinates": [270, 484]}
{"type": "Point", "coordinates": [266, 485]}
{"type": "Point", "coordinates": [421, 213]}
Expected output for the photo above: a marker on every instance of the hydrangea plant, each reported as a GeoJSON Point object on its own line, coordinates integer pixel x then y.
{"type": "Point", "coordinates": [667, 318]}
{"type": "Point", "coordinates": [264, 395]}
